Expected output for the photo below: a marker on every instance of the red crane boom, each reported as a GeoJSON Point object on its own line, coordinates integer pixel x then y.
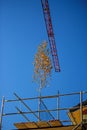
{"type": "Point", "coordinates": [49, 28]}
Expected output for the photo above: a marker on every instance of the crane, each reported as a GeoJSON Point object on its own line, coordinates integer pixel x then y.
{"type": "Point", "coordinates": [49, 28]}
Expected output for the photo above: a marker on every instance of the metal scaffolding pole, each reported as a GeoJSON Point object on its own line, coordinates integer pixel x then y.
{"type": "Point", "coordinates": [2, 109]}
{"type": "Point", "coordinates": [22, 114]}
{"type": "Point", "coordinates": [39, 103]}
{"type": "Point", "coordinates": [44, 97]}
{"type": "Point", "coordinates": [47, 110]}
{"type": "Point", "coordinates": [81, 115]}
{"type": "Point", "coordinates": [26, 105]}
{"type": "Point", "coordinates": [26, 116]}
{"type": "Point", "coordinates": [58, 106]}
{"type": "Point", "coordinates": [81, 107]}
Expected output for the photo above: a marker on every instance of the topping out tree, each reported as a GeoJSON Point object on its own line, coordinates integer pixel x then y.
{"type": "Point", "coordinates": [42, 65]}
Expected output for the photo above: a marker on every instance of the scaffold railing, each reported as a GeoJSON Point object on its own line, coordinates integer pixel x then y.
{"type": "Point", "coordinates": [47, 109]}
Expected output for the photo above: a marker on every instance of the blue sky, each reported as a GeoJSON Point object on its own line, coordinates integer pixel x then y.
{"type": "Point", "coordinates": [22, 29]}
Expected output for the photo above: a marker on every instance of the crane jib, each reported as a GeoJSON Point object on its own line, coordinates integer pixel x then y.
{"type": "Point", "coordinates": [49, 28]}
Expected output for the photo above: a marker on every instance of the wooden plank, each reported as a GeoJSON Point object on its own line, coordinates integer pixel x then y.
{"type": "Point", "coordinates": [41, 124]}
{"type": "Point", "coordinates": [20, 125]}
{"type": "Point", "coordinates": [24, 125]}
{"type": "Point", "coordinates": [55, 123]}
{"type": "Point", "coordinates": [55, 128]}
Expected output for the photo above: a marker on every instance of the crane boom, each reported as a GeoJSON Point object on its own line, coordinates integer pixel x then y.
{"type": "Point", "coordinates": [49, 28]}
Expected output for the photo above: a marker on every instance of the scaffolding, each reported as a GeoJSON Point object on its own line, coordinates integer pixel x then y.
{"type": "Point", "coordinates": [55, 118]}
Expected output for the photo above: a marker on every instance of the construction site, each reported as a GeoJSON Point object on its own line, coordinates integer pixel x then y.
{"type": "Point", "coordinates": [62, 111]}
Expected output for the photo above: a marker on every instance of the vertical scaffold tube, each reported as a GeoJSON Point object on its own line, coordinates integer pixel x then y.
{"type": "Point", "coordinates": [1, 115]}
